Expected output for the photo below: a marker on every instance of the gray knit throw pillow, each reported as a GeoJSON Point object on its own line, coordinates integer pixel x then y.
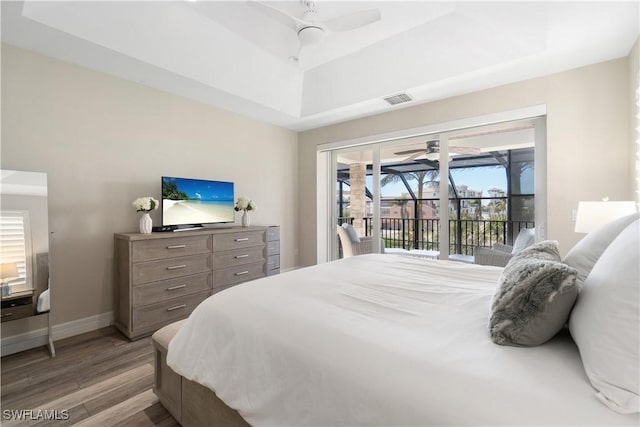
{"type": "Point", "coordinates": [534, 297]}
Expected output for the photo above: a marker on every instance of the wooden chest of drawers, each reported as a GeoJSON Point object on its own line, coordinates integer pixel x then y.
{"type": "Point", "coordinates": [162, 277]}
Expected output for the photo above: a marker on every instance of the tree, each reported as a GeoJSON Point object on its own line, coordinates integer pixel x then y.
{"type": "Point", "coordinates": [170, 191]}
{"type": "Point", "coordinates": [403, 207]}
{"type": "Point", "coordinates": [477, 208]}
{"type": "Point", "coordinates": [422, 177]}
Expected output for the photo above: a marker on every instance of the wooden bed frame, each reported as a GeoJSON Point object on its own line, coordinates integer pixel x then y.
{"type": "Point", "coordinates": [190, 403]}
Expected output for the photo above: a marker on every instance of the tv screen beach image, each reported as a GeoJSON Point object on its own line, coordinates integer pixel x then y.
{"type": "Point", "coordinates": [192, 201]}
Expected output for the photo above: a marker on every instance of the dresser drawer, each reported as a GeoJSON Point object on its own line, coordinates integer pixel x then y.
{"type": "Point", "coordinates": [273, 262]}
{"type": "Point", "coordinates": [148, 317]}
{"type": "Point", "coordinates": [247, 239]}
{"type": "Point", "coordinates": [241, 273]}
{"type": "Point", "coordinates": [154, 271]}
{"type": "Point", "coordinates": [223, 259]}
{"type": "Point", "coordinates": [154, 292]}
{"type": "Point", "coordinates": [17, 312]}
{"type": "Point", "coordinates": [148, 250]}
{"type": "Point", "coordinates": [273, 248]}
{"type": "Point", "coordinates": [273, 233]}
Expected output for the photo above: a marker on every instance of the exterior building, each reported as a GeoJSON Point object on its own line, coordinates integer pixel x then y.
{"type": "Point", "coordinates": [496, 192]}
{"type": "Point", "coordinates": [468, 205]}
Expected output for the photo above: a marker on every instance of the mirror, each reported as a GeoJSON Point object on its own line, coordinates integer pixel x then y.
{"type": "Point", "coordinates": [24, 253]}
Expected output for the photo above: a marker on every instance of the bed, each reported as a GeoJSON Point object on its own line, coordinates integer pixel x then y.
{"type": "Point", "coordinates": [378, 340]}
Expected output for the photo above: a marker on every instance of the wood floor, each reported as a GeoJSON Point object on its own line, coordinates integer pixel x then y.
{"type": "Point", "coordinates": [96, 379]}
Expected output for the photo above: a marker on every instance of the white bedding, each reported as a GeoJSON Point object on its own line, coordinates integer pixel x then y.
{"type": "Point", "coordinates": [379, 340]}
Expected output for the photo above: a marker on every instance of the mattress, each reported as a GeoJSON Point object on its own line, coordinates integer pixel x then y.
{"type": "Point", "coordinates": [379, 340]}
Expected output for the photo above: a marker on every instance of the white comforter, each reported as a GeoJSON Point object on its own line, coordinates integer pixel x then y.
{"type": "Point", "coordinates": [379, 340]}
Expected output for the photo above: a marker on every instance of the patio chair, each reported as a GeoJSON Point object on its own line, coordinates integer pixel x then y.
{"type": "Point", "coordinates": [499, 255]}
{"type": "Point", "coordinates": [353, 245]}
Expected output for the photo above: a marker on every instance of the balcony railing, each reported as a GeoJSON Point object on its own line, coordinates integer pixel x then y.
{"type": "Point", "coordinates": [464, 234]}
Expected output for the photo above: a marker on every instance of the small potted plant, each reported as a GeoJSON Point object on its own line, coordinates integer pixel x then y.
{"type": "Point", "coordinates": [245, 204]}
{"type": "Point", "coordinates": [145, 205]}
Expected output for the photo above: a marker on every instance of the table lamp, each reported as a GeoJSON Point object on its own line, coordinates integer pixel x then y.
{"type": "Point", "coordinates": [592, 215]}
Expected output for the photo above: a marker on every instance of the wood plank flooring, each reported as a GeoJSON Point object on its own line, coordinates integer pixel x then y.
{"type": "Point", "coordinates": [96, 379]}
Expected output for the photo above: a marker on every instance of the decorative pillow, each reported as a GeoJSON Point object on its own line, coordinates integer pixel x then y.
{"type": "Point", "coordinates": [586, 252]}
{"type": "Point", "coordinates": [525, 238]}
{"type": "Point", "coordinates": [545, 250]}
{"type": "Point", "coordinates": [534, 297]}
{"type": "Point", "coordinates": [353, 236]}
{"type": "Point", "coordinates": [605, 323]}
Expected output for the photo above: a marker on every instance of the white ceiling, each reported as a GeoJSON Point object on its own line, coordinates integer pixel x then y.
{"type": "Point", "coordinates": [232, 55]}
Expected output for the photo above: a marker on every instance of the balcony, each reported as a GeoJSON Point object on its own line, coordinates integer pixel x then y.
{"type": "Point", "coordinates": [464, 234]}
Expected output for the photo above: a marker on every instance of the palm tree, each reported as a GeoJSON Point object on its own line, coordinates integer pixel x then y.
{"type": "Point", "coordinates": [403, 207]}
{"type": "Point", "coordinates": [422, 177]}
{"type": "Point", "coordinates": [477, 208]}
{"type": "Point", "coordinates": [498, 209]}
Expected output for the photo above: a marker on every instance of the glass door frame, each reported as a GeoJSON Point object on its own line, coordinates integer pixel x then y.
{"type": "Point", "coordinates": [327, 156]}
{"type": "Point", "coordinates": [332, 194]}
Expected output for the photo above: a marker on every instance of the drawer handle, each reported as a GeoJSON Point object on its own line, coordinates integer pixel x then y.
{"type": "Point", "coordinates": [241, 256]}
{"type": "Point", "coordinates": [177, 307]}
{"type": "Point", "coordinates": [176, 246]}
{"type": "Point", "coordinates": [244, 239]}
{"type": "Point", "coordinates": [7, 315]}
{"type": "Point", "coordinates": [175, 267]}
{"type": "Point", "coordinates": [175, 288]}
{"type": "Point", "coordinates": [240, 273]}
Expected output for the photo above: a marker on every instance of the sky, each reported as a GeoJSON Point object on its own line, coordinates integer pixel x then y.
{"type": "Point", "coordinates": [205, 190]}
{"type": "Point", "coordinates": [477, 179]}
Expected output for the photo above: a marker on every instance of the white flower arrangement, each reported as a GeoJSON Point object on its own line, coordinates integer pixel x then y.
{"type": "Point", "coordinates": [245, 204]}
{"type": "Point", "coordinates": [145, 204]}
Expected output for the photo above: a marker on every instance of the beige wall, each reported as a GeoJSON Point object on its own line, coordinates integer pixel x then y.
{"type": "Point", "coordinates": [105, 141]}
{"type": "Point", "coordinates": [587, 139]}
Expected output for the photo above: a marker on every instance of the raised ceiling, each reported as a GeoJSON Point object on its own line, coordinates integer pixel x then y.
{"type": "Point", "coordinates": [231, 55]}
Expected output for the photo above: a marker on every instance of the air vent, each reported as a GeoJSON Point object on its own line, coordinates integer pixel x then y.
{"type": "Point", "coordinates": [398, 99]}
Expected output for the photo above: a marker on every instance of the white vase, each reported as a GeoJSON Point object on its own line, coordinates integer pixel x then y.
{"type": "Point", "coordinates": [246, 219]}
{"type": "Point", "coordinates": [146, 223]}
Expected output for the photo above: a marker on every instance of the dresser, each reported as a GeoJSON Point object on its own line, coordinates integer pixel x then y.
{"type": "Point", "coordinates": [161, 277]}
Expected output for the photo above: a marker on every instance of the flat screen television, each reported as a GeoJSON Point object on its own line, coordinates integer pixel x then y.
{"type": "Point", "coordinates": [190, 202]}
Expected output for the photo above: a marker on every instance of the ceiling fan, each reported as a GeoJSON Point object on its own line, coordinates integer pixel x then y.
{"type": "Point", "coordinates": [309, 29]}
{"type": "Point", "coordinates": [432, 151]}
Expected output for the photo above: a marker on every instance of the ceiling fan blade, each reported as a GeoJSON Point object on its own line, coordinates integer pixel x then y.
{"type": "Point", "coordinates": [404, 153]}
{"type": "Point", "coordinates": [414, 156]}
{"type": "Point", "coordinates": [277, 15]}
{"type": "Point", "coordinates": [352, 21]}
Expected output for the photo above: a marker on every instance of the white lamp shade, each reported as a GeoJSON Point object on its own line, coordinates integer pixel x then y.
{"type": "Point", "coordinates": [592, 215]}
{"type": "Point", "coordinates": [8, 271]}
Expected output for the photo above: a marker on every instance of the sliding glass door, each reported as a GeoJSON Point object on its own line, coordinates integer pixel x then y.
{"type": "Point", "coordinates": [442, 194]}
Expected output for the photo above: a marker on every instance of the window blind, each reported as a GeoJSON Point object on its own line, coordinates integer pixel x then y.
{"type": "Point", "coordinates": [15, 243]}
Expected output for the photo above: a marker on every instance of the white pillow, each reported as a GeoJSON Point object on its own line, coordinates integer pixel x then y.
{"type": "Point", "coordinates": [605, 323]}
{"type": "Point", "coordinates": [353, 236]}
{"type": "Point", "coordinates": [525, 238]}
{"type": "Point", "coordinates": [586, 252]}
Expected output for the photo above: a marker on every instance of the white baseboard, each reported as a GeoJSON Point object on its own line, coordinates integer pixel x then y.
{"type": "Point", "coordinates": [38, 337]}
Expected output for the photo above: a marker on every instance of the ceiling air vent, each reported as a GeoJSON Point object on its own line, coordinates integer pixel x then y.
{"type": "Point", "coordinates": [398, 99]}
